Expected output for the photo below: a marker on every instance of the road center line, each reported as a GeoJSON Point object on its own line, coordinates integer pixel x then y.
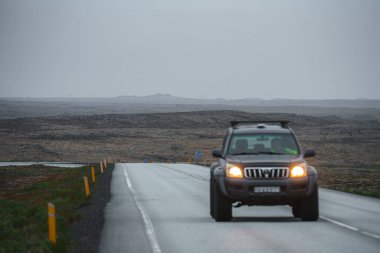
{"type": "Point", "coordinates": [186, 173]}
{"type": "Point", "coordinates": [148, 223]}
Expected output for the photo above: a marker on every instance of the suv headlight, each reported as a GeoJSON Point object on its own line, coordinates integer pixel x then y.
{"type": "Point", "coordinates": [298, 170]}
{"type": "Point", "coordinates": [234, 171]}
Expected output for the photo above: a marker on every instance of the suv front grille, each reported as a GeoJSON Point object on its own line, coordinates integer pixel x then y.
{"type": "Point", "coordinates": [263, 172]}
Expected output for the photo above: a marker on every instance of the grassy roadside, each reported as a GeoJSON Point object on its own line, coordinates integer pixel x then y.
{"type": "Point", "coordinates": [25, 192]}
{"type": "Point", "coordinates": [361, 179]}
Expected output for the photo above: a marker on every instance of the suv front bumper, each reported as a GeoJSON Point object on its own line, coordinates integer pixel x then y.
{"type": "Point", "coordinates": [244, 190]}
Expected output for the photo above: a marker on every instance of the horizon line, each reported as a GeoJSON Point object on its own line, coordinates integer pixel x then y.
{"type": "Point", "coordinates": [173, 96]}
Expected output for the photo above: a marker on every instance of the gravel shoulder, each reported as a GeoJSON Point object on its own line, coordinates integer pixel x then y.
{"type": "Point", "coordinates": [87, 231]}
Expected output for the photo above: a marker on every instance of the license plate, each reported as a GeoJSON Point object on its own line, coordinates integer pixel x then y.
{"type": "Point", "coordinates": [267, 189]}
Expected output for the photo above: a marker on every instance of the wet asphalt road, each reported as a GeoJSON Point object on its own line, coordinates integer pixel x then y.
{"type": "Point", "coordinates": [165, 208]}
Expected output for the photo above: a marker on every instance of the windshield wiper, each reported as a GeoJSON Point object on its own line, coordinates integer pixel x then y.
{"type": "Point", "coordinates": [243, 153]}
{"type": "Point", "coordinates": [259, 153]}
{"type": "Point", "coordinates": [270, 153]}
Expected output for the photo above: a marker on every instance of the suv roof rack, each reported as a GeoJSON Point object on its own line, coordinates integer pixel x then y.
{"type": "Point", "coordinates": [284, 123]}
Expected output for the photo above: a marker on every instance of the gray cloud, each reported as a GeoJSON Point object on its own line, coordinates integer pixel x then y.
{"type": "Point", "coordinates": [200, 48]}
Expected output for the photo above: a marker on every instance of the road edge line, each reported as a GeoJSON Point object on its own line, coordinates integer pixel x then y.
{"type": "Point", "coordinates": [370, 234]}
{"type": "Point", "coordinates": [148, 223]}
{"type": "Point", "coordinates": [351, 227]}
{"type": "Point", "coordinates": [339, 223]}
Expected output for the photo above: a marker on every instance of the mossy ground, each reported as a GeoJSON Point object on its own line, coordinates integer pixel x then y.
{"type": "Point", "coordinates": [25, 193]}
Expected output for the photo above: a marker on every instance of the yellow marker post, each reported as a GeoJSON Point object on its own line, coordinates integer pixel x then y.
{"type": "Point", "coordinates": [86, 186]}
{"type": "Point", "coordinates": [93, 174]}
{"type": "Point", "coordinates": [51, 221]}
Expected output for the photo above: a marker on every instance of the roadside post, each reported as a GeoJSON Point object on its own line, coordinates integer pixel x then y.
{"type": "Point", "coordinates": [51, 222]}
{"type": "Point", "coordinates": [93, 174]}
{"type": "Point", "coordinates": [86, 186]}
{"type": "Point", "coordinates": [101, 166]}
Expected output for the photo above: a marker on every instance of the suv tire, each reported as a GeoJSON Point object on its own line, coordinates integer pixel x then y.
{"type": "Point", "coordinates": [309, 207]}
{"type": "Point", "coordinates": [296, 209]}
{"type": "Point", "coordinates": [220, 206]}
{"type": "Point", "coordinates": [211, 198]}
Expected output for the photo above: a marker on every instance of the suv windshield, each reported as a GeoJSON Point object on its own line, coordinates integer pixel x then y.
{"type": "Point", "coordinates": [263, 143]}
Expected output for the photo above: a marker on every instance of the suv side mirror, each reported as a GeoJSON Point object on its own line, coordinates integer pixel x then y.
{"type": "Point", "coordinates": [217, 153]}
{"type": "Point", "coordinates": [309, 152]}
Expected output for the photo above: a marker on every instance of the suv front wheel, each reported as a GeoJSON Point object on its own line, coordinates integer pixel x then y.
{"type": "Point", "coordinates": [220, 206]}
{"type": "Point", "coordinates": [308, 208]}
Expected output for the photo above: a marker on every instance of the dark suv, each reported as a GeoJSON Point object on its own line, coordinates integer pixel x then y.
{"type": "Point", "coordinates": [261, 163]}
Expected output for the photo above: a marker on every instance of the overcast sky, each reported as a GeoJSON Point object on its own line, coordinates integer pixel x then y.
{"type": "Point", "coordinates": [190, 48]}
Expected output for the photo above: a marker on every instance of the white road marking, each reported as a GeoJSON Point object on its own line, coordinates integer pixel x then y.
{"type": "Point", "coordinates": [148, 223]}
{"type": "Point", "coordinates": [350, 227]}
{"type": "Point", "coordinates": [186, 173]}
{"type": "Point", "coordinates": [340, 223]}
{"type": "Point", "coordinates": [370, 234]}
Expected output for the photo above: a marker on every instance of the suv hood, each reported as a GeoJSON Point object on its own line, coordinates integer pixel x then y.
{"type": "Point", "coordinates": [264, 159]}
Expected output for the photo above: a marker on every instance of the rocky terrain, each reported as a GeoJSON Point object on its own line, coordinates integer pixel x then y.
{"type": "Point", "coordinates": [348, 155]}
{"type": "Point", "coordinates": [11, 108]}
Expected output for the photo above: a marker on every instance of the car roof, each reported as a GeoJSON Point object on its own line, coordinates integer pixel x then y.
{"type": "Point", "coordinates": [259, 128]}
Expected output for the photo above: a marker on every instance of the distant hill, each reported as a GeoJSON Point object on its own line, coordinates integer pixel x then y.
{"type": "Point", "coordinates": [166, 99]}
{"type": "Point", "coordinates": [163, 103]}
